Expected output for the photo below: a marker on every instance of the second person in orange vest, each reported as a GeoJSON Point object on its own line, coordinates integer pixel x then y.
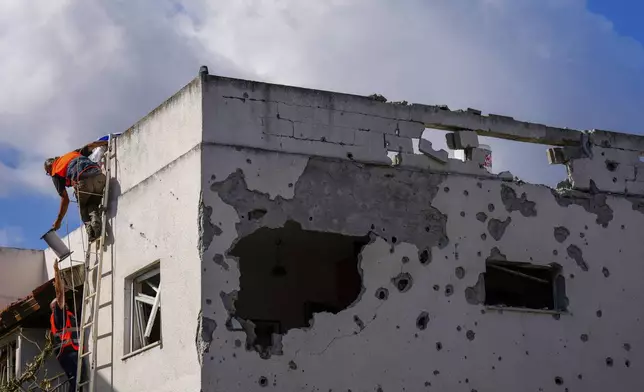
{"type": "Point", "coordinates": [76, 170]}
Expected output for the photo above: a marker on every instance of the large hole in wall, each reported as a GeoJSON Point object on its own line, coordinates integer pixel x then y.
{"type": "Point", "coordinates": [288, 274]}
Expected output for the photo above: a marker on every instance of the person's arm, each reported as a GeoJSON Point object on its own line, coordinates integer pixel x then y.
{"type": "Point", "coordinates": [62, 210]}
{"type": "Point", "coordinates": [87, 149]}
{"type": "Point", "coordinates": [59, 286]}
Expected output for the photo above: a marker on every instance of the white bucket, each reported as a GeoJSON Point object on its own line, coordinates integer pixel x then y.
{"type": "Point", "coordinates": [56, 244]}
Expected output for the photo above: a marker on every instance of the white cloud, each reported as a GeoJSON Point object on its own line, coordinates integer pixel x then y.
{"type": "Point", "coordinates": [73, 70]}
{"type": "Point", "coordinates": [11, 236]}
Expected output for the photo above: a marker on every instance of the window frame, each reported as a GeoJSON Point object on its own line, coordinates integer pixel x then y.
{"type": "Point", "coordinates": [8, 372]}
{"type": "Point", "coordinates": [138, 329]}
{"type": "Point", "coordinates": [556, 282]}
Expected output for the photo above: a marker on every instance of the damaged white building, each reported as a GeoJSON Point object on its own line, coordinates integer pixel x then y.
{"type": "Point", "coordinates": [291, 253]}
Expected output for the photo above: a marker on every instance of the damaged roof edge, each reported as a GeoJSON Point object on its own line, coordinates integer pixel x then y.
{"type": "Point", "coordinates": [16, 312]}
{"type": "Point", "coordinates": [441, 117]}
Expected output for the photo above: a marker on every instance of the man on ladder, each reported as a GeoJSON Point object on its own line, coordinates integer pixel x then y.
{"type": "Point", "coordinates": [64, 329]}
{"type": "Point", "coordinates": [77, 170]}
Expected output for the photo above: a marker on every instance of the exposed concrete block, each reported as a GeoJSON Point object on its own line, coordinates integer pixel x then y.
{"type": "Point", "coordinates": [476, 155]}
{"type": "Point", "coordinates": [324, 133]}
{"type": "Point", "coordinates": [364, 122]}
{"type": "Point", "coordinates": [276, 126]}
{"type": "Point", "coordinates": [410, 129]}
{"type": "Point", "coordinates": [397, 143]}
{"type": "Point", "coordinates": [421, 162]}
{"type": "Point", "coordinates": [296, 113]}
{"type": "Point", "coordinates": [465, 139]}
{"type": "Point", "coordinates": [425, 146]}
{"type": "Point", "coordinates": [369, 139]}
{"type": "Point", "coordinates": [495, 126]}
{"type": "Point", "coordinates": [450, 140]}
{"type": "Point", "coordinates": [617, 140]}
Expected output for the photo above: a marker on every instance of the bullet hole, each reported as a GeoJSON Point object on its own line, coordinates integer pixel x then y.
{"type": "Point", "coordinates": [427, 229]}
{"type": "Point", "coordinates": [554, 252]}
{"type": "Point", "coordinates": [394, 240]}
{"type": "Point", "coordinates": [582, 235]}
{"type": "Point", "coordinates": [402, 282]}
{"type": "Point", "coordinates": [500, 359]}
{"type": "Point", "coordinates": [436, 287]}
{"type": "Point", "coordinates": [483, 236]}
{"type": "Point", "coordinates": [490, 207]}
{"type": "Point", "coordinates": [263, 381]}
{"type": "Point", "coordinates": [446, 189]}
{"type": "Point", "coordinates": [627, 347]}
{"type": "Point", "coordinates": [428, 384]}
{"type": "Point", "coordinates": [481, 216]}
{"type": "Point", "coordinates": [349, 155]}
{"type": "Point", "coordinates": [310, 219]}
{"type": "Point", "coordinates": [459, 272]}
{"type": "Point", "coordinates": [627, 363]}
{"type": "Point", "coordinates": [471, 335]}
{"type": "Point", "coordinates": [458, 328]}
{"type": "Point", "coordinates": [478, 184]}
{"type": "Point", "coordinates": [623, 227]}
{"type": "Point", "coordinates": [463, 213]}
{"type": "Point", "coordinates": [249, 161]}
{"type": "Point", "coordinates": [609, 361]}
{"type": "Point", "coordinates": [478, 253]}
{"type": "Point", "coordinates": [449, 290]}
{"type": "Point", "coordinates": [606, 272]}
{"type": "Point", "coordinates": [238, 343]}
{"type": "Point", "coordinates": [373, 227]}
{"type": "Point", "coordinates": [379, 389]}
{"type": "Point", "coordinates": [572, 276]}
{"type": "Point", "coordinates": [584, 337]}
{"type": "Point", "coordinates": [439, 346]}
{"type": "Point", "coordinates": [466, 193]}
{"type": "Point", "coordinates": [599, 313]}
{"type": "Point", "coordinates": [527, 353]}
{"type": "Point", "coordinates": [579, 376]}
{"type": "Point", "coordinates": [290, 185]}
{"type": "Point", "coordinates": [436, 372]}
{"type": "Point", "coordinates": [611, 165]}
{"type": "Point", "coordinates": [559, 381]}
{"type": "Point", "coordinates": [382, 294]}
{"type": "Point", "coordinates": [405, 260]}
{"type": "Point", "coordinates": [422, 321]}
{"type": "Point", "coordinates": [208, 301]}
{"type": "Point", "coordinates": [425, 257]}
{"type": "Point", "coordinates": [556, 316]}
{"type": "Point", "coordinates": [358, 322]}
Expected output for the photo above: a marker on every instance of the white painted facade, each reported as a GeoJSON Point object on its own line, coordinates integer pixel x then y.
{"type": "Point", "coordinates": [224, 158]}
{"type": "Point", "coordinates": [21, 270]}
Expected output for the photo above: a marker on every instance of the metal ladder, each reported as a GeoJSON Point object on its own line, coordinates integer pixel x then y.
{"type": "Point", "coordinates": [92, 286]}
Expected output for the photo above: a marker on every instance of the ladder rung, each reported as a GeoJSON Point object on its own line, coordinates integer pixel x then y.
{"type": "Point", "coordinates": [83, 384]}
{"type": "Point", "coordinates": [93, 267]}
{"type": "Point", "coordinates": [90, 296]}
{"type": "Point", "coordinates": [88, 325]}
{"type": "Point", "coordinates": [83, 355]}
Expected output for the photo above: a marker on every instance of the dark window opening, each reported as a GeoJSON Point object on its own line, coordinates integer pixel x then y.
{"type": "Point", "coordinates": [524, 285]}
{"type": "Point", "coordinates": [288, 274]}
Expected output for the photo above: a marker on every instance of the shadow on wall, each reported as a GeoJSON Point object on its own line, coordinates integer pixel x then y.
{"type": "Point", "coordinates": [287, 275]}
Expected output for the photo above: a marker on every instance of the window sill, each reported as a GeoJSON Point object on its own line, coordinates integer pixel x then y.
{"type": "Point", "coordinates": [139, 351]}
{"type": "Point", "coordinates": [527, 310]}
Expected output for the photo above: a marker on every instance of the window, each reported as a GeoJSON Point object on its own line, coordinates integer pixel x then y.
{"type": "Point", "coordinates": [145, 308]}
{"type": "Point", "coordinates": [524, 285]}
{"type": "Point", "coordinates": [7, 362]}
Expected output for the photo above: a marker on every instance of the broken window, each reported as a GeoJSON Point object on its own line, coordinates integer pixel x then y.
{"type": "Point", "coordinates": [7, 362]}
{"type": "Point", "coordinates": [145, 308]}
{"type": "Point", "coordinates": [288, 274]}
{"type": "Point", "coordinates": [525, 285]}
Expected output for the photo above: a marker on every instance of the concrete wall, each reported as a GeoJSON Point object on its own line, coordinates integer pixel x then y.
{"type": "Point", "coordinates": [153, 215]}
{"type": "Point", "coordinates": [21, 271]}
{"type": "Point", "coordinates": [427, 223]}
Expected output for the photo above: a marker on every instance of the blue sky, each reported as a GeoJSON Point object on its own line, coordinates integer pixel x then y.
{"type": "Point", "coordinates": [75, 70]}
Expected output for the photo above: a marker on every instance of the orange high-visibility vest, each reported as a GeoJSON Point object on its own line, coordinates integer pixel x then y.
{"type": "Point", "coordinates": [59, 168]}
{"type": "Point", "coordinates": [68, 336]}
